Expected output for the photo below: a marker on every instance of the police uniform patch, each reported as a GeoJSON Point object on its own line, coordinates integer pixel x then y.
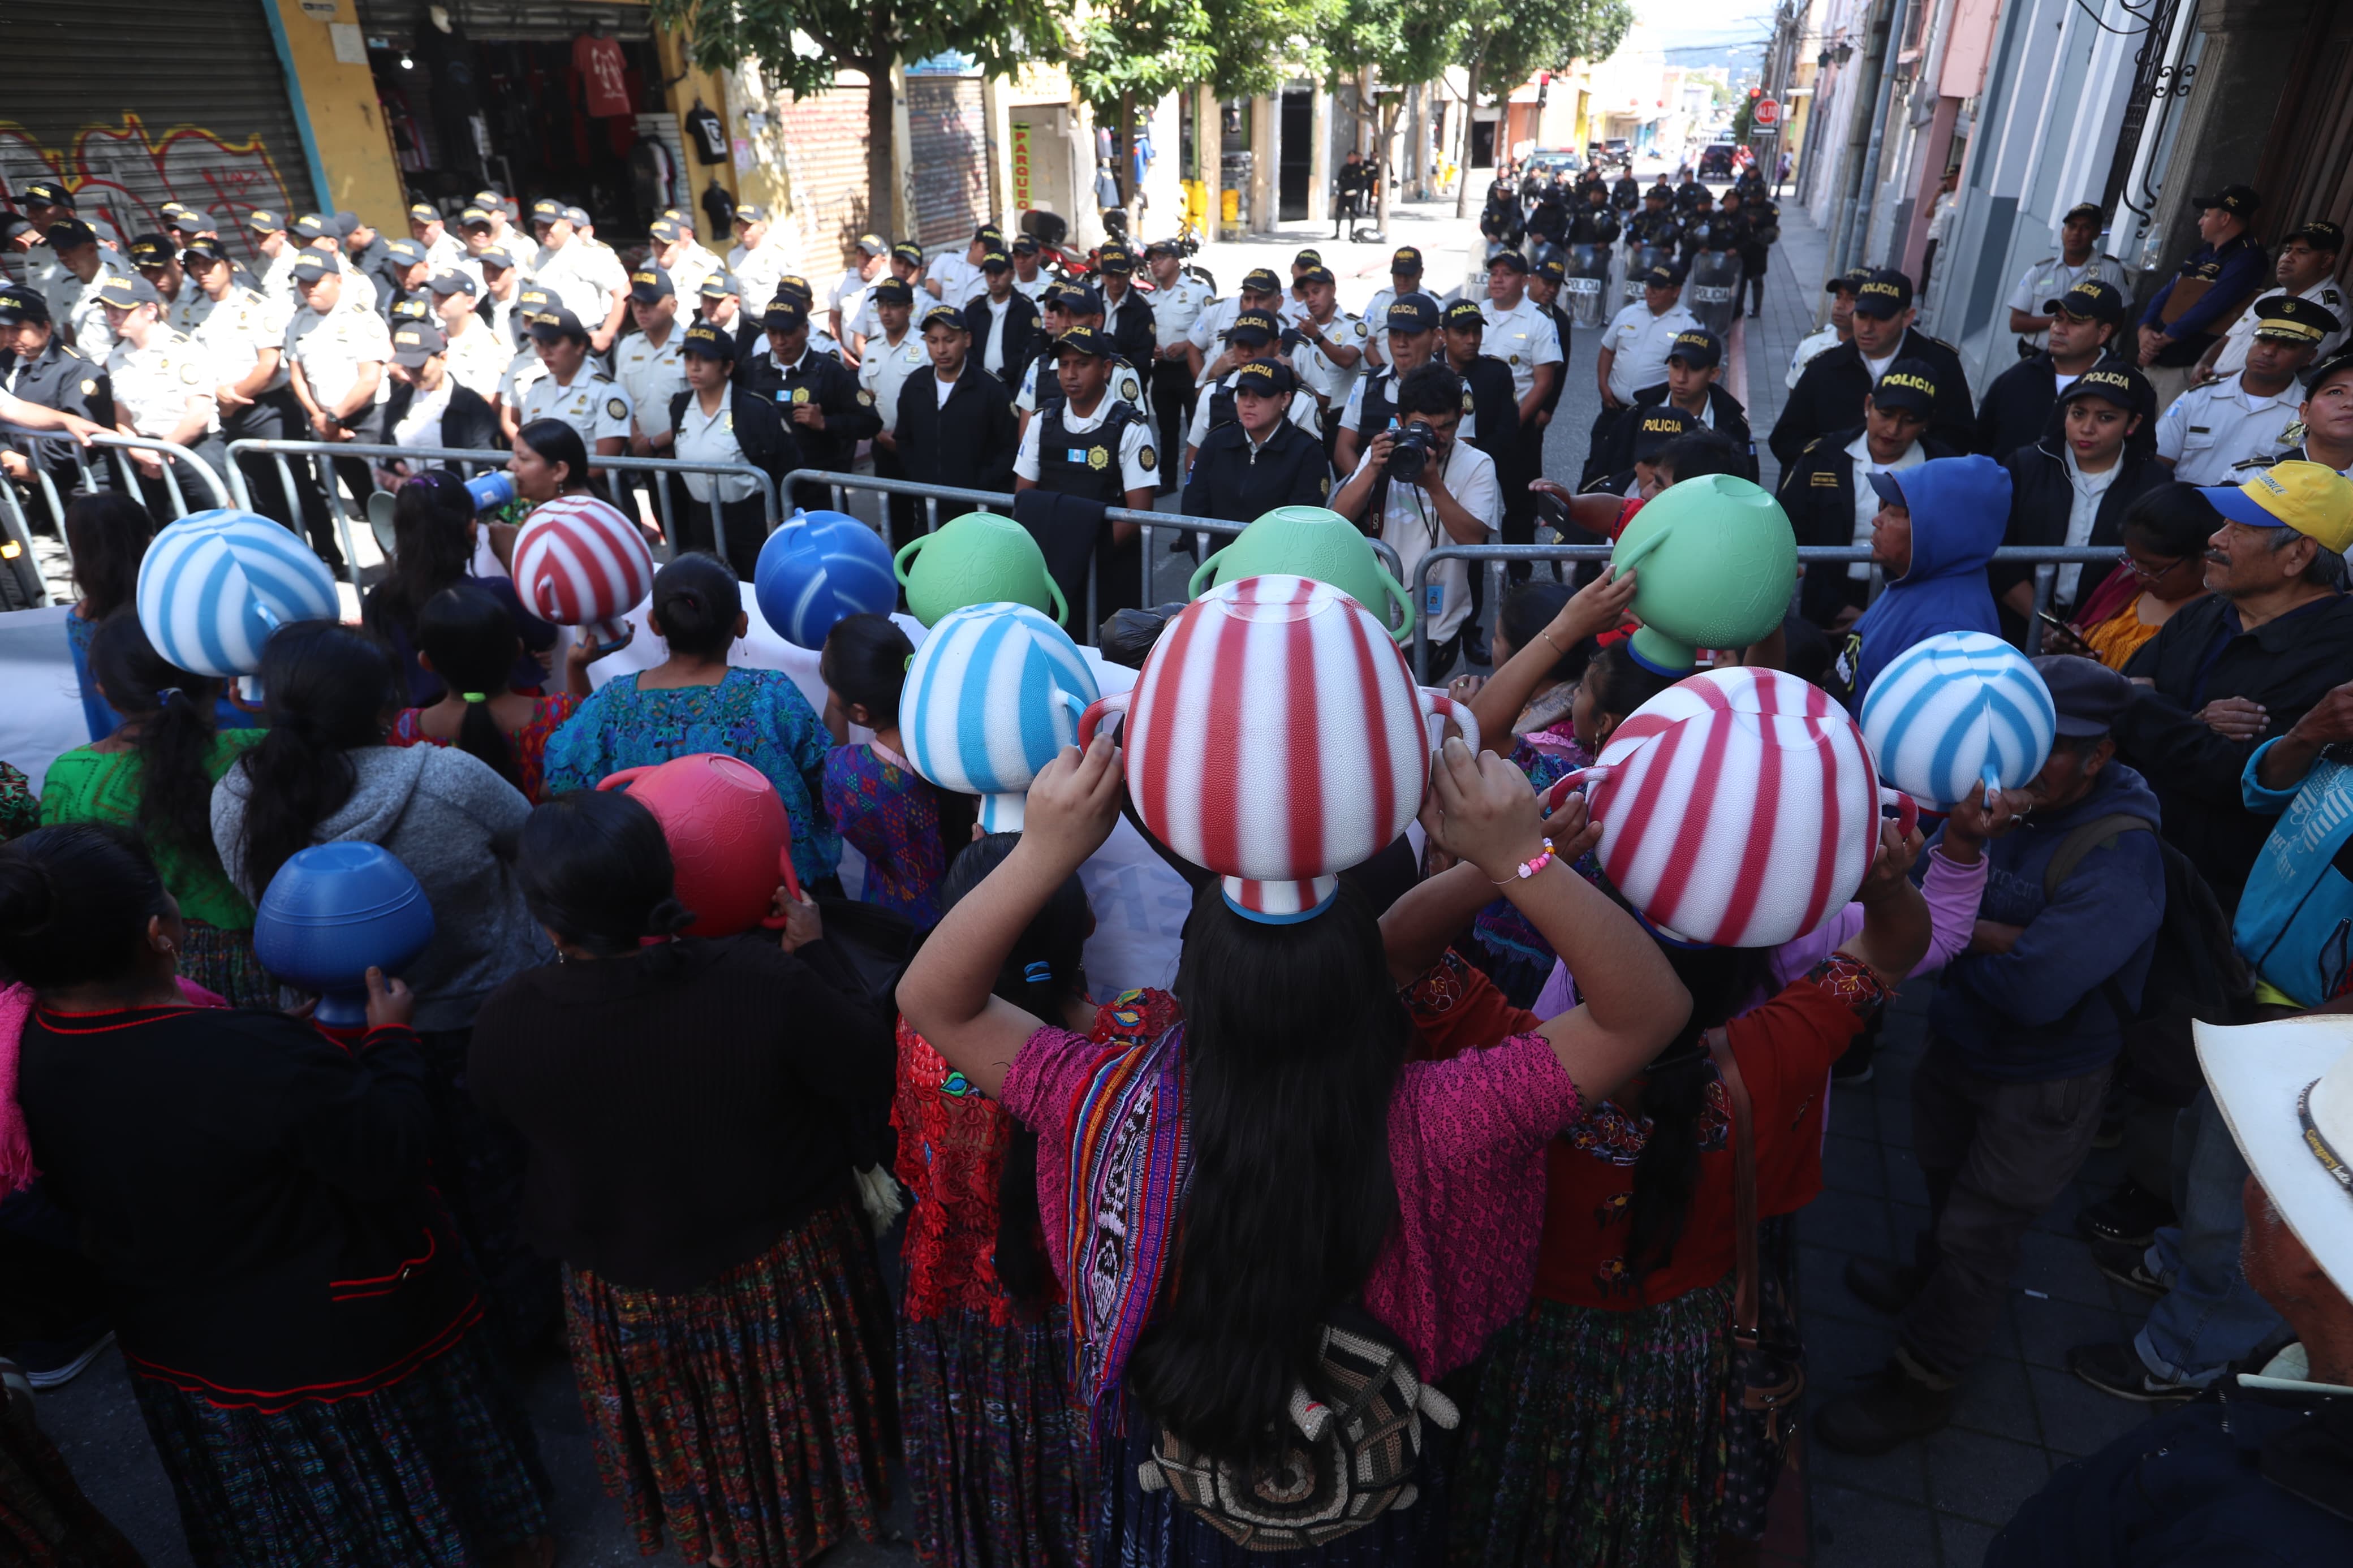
{"type": "Point", "coordinates": [616, 409]}
{"type": "Point", "coordinates": [1324, 484]}
{"type": "Point", "coordinates": [1129, 387]}
{"type": "Point", "coordinates": [190, 375]}
{"type": "Point", "coordinates": [88, 388]}
{"type": "Point", "coordinates": [800, 395]}
{"type": "Point", "coordinates": [1146, 459]}
{"type": "Point", "coordinates": [1098, 457]}
{"type": "Point", "coordinates": [1824, 481]}
{"type": "Point", "coordinates": [1515, 359]}
{"type": "Point", "coordinates": [865, 396]}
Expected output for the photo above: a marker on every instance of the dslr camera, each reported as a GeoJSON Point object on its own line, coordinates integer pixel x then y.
{"type": "Point", "coordinates": [1411, 452]}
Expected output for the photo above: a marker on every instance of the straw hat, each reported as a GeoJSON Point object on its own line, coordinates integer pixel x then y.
{"type": "Point", "coordinates": [2286, 1088]}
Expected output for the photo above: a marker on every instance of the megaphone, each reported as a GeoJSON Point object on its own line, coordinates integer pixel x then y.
{"type": "Point", "coordinates": [489, 492]}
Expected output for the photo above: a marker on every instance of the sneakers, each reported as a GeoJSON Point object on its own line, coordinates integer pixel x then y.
{"type": "Point", "coordinates": [2116, 1369]}
{"type": "Point", "coordinates": [1896, 1404]}
{"type": "Point", "coordinates": [2131, 1213]}
{"type": "Point", "coordinates": [53, 1363]}
{"type": "Point", "coordinates": [2126, 1263]}
{"type": "Point", "coordinates": [1886, 1286]}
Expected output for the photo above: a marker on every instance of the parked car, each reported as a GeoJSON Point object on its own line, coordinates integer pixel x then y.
{"type": "Point", "coordinates": [1715, 163]}
{"type": "Point", "coordinates": [1552, 160]}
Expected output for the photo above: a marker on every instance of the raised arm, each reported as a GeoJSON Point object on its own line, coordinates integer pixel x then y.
{"type": "Point", "coordinates": [1594, 608]}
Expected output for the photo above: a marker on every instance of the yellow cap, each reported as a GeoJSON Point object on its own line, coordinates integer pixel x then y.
{"type": "Point", "coordinates": [2310, 498]}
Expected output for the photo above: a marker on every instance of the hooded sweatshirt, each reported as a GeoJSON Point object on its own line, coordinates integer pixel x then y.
{"type": "Point", "coordinates": [2040, 1011]}
{"type": "Point", "coordinates": [1960, 507]}
{"type": "Point", "coordinates": [446, 816]}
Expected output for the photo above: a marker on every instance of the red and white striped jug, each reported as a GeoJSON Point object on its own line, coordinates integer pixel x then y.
{"type": "Point", "coordinates": [579, 562]}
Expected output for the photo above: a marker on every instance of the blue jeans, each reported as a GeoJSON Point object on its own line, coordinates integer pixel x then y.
{"type": "Point", "coordinates": [2211, 1317]}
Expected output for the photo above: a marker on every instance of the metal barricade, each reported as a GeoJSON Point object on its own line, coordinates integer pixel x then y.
{"type": "Point", "coordinates": [1495, 555]}
{"type": "Point", "coordinates": [18, 529]}
{"type": "Point", "coordinates": [467, 458]}
{"type": "Point", "coordinates": [120, 470]}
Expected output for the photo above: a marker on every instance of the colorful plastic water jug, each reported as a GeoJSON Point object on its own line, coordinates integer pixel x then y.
{"type": "Point", "coordinates": [1738, 809]}
{"type": "Point", "coordinates": [1957, 714]}
{"type": "Point", "coordinates": [980, 558]}
{"type": "Point", "coordinates": [333, 910]}
{"type": "Point", "coordinates": [1276, 738]}
{"type": "Point", "coordinates": [214, 587]}
{"type": "Point", "coordinates": [731, 842]}
{"type": "Point", "coordinates": [993, 694]}
{"type": "Point", "coordinates": [1718, 563]}
{"type": "Point", "coordinates": [1311, 541]}
{"type": "Point", "coordinates": [579, 562]}
{"type": "Point", "coordinates": [815, 569]}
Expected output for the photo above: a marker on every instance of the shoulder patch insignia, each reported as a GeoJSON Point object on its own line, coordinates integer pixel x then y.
{"type": "Point", "coordinates": [88, 387]}
{"type": "Point", "coordinates": [1129, 388]}
{"type": "Point", "coordinates": [1146, 459]}
{"type": "Point", "coordinates": [1324, 484]}
{"type": "Point", "coordinates": [1098, 457]}
{"type": "Point", "coordinates": [865, 398]}
{"type": "Point", "coordinates": [616, 409]}
{"type": "Point", "coordinates": [191, 373]}
{"type": "Point", "coordinates": [1821, 480]}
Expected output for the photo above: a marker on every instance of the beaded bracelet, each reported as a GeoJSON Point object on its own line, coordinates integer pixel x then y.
{"type": "Point", "coordinates": [1529, 867]}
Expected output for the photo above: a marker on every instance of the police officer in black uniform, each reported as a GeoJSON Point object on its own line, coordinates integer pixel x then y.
{"type": "Point", "coordinates": [1490, 409]}
{"type": "Point", "coordinates": [1625, 195]}
{"type": "Point", "coordinates": [1694, 356]}
{"type": "Point", "coordinates": [1094, 447]}
{"type": "Point", "coordinates": [1545, 280]}
{"type": "Point", "coordinates": [2085, 323]}
{"type": "Point", "coordinates": [1830, 395]}
{"type": "Point", "coordinates": [1129, 321]}
{"type": "Point", "coordinates": [1499, 221]}
{"type": "Point", "coordinates": [1595, 223]}
{"type": "Point", "coordinates": [1689, 195]}
{"type": "Point", "coordinates": [1757, 229]}
{"type": "Point", "coordinates": [1262, 460]}
{"type": "Point", "coordinates": [1549, 221]}
{"type": "Point", "coordinates": [827, 412]}
{"type": "Point", "coordinates": [1656, 224]}
{"type": "Point", "coordinates": [35, 365]}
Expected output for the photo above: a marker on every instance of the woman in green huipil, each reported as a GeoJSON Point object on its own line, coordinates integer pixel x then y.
{"type": "Point", "coordinates": [155, 773]}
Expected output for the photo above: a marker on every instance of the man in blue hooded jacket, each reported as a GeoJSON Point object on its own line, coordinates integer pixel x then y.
{"type": "Point", "coordinates": [1937, 526]}
{"type": "Point", "coordinates": [2022, 1037]}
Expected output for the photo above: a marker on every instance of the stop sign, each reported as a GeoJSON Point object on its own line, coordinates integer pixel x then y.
{"type": "Point", "coordinates": [1767, 112]}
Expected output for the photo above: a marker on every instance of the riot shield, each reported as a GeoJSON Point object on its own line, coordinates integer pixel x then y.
{"type": "Point", "coordinates": [1585, 288]}
{"type": "Point", "coordinates": [1712, 291]}
{"type": "Point", "coordinates": [1643, 258]}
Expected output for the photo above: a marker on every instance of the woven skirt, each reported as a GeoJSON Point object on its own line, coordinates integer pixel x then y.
{"type": "Point", "coordinates": [751, 1419]}
{"type": "Point", "coordinates": [222, 961]}
{"type": "Point", "coordinates": [439, 1470]}
{"type": "Point", "coordinates": [1596, 1438]}
{"type": "Point", "coordinates": [996, 1454]}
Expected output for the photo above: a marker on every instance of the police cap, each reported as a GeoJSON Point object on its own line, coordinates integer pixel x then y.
{"type": "Point", "coordinates": [407, 252]}
{"type": "Point", "coordinates": [894, 291]}
{"type": "Point", "coordinates": [703, 339]}
{"type": "Point", "coordinates": [1656, 424]}
{"type": "Point", "coordinates": [2093, 299]}
{"type": "Point", "coordinates": [943, 314]}
{"type": "Point", "coordinates": [415, 342]}
{"type": "Point", "coordinates": [2118, 384]}
{"type": "Point", "coordinates": [648, 284]}
{"type": "Point", "coordinates": [313, 265]}
{"type": "Point", "coordinates": [751, 212]}
{"type": "Point", "coordinates": [1085, 341]}
{"type": "Point", "coordinates": [1075, 301]}
{"type": "Point", "coordinates": [718, 283]}
{"type": "Point", "coordinates": [1909, 384]}
{"type": "Point", "coordinates": [908, 251]}
{"type": "Point", "coordinates": [126, 293]}
{"type": "Point", "coordinates": [495, 256]}
{"type": "Point", "coordinates": [784, 314]}
{"type": "Point", "coordinates": [45, 194]}
{"type": "Point", "coordinates": [2239, 201]}
{"type": "Point", "coordinates": [71, 234]}
{"type": "Point", "coordinates": [449, 280]}
{"type": "Point", "coordinates": [1265, 378]}
{"type": "Point", "coordinates": [1886, 291]}
{"type": "Point", "coordinates": [1253, 326]}
{"type": "Point", "coordinates": [555, 321]}
{"type": "Point", "coordinates": [1412, 313]}
{"type": "Point", "coordinates": [1464, 314]}
{"type": "Point", "coordinates": [1261, 280]}
{"type": "Point", "coordinates": [150, 250]}
{"type": "Point", "coordinates": [201, 255]}
{"type": "Point", "coordinates": [19, 305]}
{"type": "Point", "coordinates": [1697, 348]}
{"type": "Point", "coordinates": [261, 220]}
{"type": "Point", "coordinates": [1405, 262]}
{"type": "Point", "coordinates": [2320, 234]}
{"type": "Point", "coordinates": [2293, 319]}
{"type": "Point", "coordinates": [996, 261]}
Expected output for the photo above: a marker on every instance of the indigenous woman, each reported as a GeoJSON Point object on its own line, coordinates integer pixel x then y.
{"type": "Point", "coordinates": [907, 829]}
{"type": "Point", "coordinates": [466, 639]}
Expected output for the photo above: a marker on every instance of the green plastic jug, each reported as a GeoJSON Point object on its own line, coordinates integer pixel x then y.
{"type": "Point", "coordinates": [1311, 541]}
{"type": "Point", "coordinates": [1718, 562]}
{"type": "Point", "coordinates": [980, 558]}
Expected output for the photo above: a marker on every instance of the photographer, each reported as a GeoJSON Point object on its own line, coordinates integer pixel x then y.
{"type": "Point", "coordinates": [1418, 488]}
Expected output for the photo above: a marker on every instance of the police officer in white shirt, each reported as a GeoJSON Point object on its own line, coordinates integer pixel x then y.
{"type": "Point", "coordinates": [954, 280]}
{"type": "Point", "coordinates": [1521, 336]}
{"type": "Point", "coordinates": [83, 269]}
{"type": "Point", "coordinates": [322, 235]}
{"type": "Point", "coordinates": [1262, 290]}
{"type": "Point", "coordinates": [1029, 276]}
{"type": "Point", "coordinates": [1634, 350]}
{"type": "Point", "coordinates": [2051, 278]}
{"type": "Point", "coordinates": [1449, 496]}
{"type": "Point", "coordinates": [442, 248]}
{"type": "Point", "coordinates": [154, 258]}
{"type": "Point", "coordinates": [337, 351]}
{"type": "Point", "coordinates": [162, 389]}
{"type": "Point", "coordinates": [1088, 444]}
{"type": "Point", "coordinates": [477, 354]}
{"type": "Point", "coordinates": [278, 254]}
{"type": "Point", "coordinates": [871, 257]}
{"type": "Point", "coordinates": [677, 252]}
{"type": "Point", "coordinates": [574, 390]}
{"type": "Point", "coordinates": [1330, 353]}
{"type": "Point", "coordinates": [1404, 278]}
{"type": "Point", "coordinates": [648, 362]}
{"type": "Point", "coordinates": [2212, 429]}
{"type": "Point", "coordinates": [1176, 301]}
{"type": "Point", "coordinates": [758, 260]}
{"type": "Point", "coordinates": [894, 353]}
{"type": "Point", "coordinates": [526, 369]}
{"type": "Point", "coordinates": [1068, 309]}
{"type": "Point", "coordinates": [585, 279]}
{"type": "Point", "coordinates": [243, 332]}
{"type": "Point", "coordinates": [2306, 267]}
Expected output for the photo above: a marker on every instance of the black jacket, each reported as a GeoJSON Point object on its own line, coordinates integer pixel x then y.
{"type": "Point", "coordinates": [2286, 665]}
{"type": "Point", "coordinates": [60, 378]}
{"type": "Point", "coordinates": [467, 420]}
{"type": "Point", "coordinates": [1023, 337]}
{"type": "Point", "coordinates": [2016, 408]}
{"type": "Point", "coordinates": [1489, 393]}
{"type": "Point", "coordinates": [819, 378]}
{"type": "Point", "coordinates": [1818, 493]}
{"type": "Point", "coordinates": [2041, 498]}
{"type": "Point", "coordinates": [1232, 482]}
{"type": "Point", "coordinates": [971, 442]}
{"type": "Point", "coordinates": [1731, 423]}
{"type": "Point", "coordinates": [1133, 329]}
{"type": "Point", "coordinates": [1830, 396]}
{"type": "Point", "coordinates": [255, 1195]}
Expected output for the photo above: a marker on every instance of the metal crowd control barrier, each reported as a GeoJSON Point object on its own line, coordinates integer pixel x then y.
{"type": "Point", "coordinates": [1828, 556]}
{"type": "Point", "coordinates": [120, 469]}
{"type": "Point", "coordinates": [467, 458]}
{"type": "Point", "coordinates": [1001, 501]}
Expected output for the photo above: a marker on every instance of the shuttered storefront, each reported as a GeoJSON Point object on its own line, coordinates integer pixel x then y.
{"type": "Point", "coordinates": [134, 105]}
{"type": "Point", "coordinates": [824, 141]}
{"type": "Point", "coordinates": [949, 143]}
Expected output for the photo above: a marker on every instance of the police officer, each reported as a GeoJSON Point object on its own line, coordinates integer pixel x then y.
{"type": "Point", "coordinates": [526, 370]}
{"type": "Point", "coordinates": [1640, 436]}
{"type": "Point", "coordinates": [1254, 337]}
{"type": "Point", "coordinates": [1328, 349]}
{"type": "Point", "coordinates": [1262, 290]}
{"type": "Point", "coordinates": [651, 368]}
{"type": "Point", "coordinates": [1522, 336]}
{"type": "Point", "coordinates": [2081, 332]}
{"type": "Point", "coordinates": [2079, 260]}
{"type": "Point", "coordinates": [1029, 275]}
{"type": "Point", "coordinates": [1088, 444]}
{"type": "Point", "coordinates": [1404, 278]}
{"type": "Point", "coordinates": [1177, 302]}
{"type": "Point", "coordinates": [1411, 340]}
{"type": "Point", "coordinates": [2209, 287]}
{"type": "Point", "coordinates": [1262, 460]}
{"type": "Point", "coordinates": [1004, 321]}
{"type": "Point", "coordinates": [45, 204]}
{"type": "Point", "coordinates": [322, 234]}
{"type": "Point", "coordinates": [442, 248]}
{"type": "Point", "coordinates": [1595, 223]}
{"type": "Point", "coordinates": [2250, 419]}
{"type": "Point", "coordinates": [1548, 219]}
{"type": "Point", "coordinates": [1128, 317]}
{"type": "Point", "coordinates": [1067, 310]}
{"type": "Point", "coordinates": [826, 409]}
{"type": "Point", "coordinates": [1690, 195]}
{"type": "Point", "coordinates": [956, 424]}
{"type": "Point", "coordinates": [1499, 221]}
{"type": "Point", "coordinates": [897, 353]}
{"type": "Point", "coordinates": [163, 386]}
{"type": "Point", "coordinates": [36, 366]}
{"type": "Point", "coordinates": [575, 389]}
{"type": "Point", "coordinates": [477, 351]}
{"type": "Point", "coordinates": [678, 253]}
{"type": "Point", "coordinates": [337, 351]}
{"type": "Point", "coordinates": [1488, 390]}
{"type": "Point", "coordinates": [1656, 224]}
{"type": "Point", "coordinates": [73, 292]}
{"type": "Point", "coordinates": [242, 332]}
{"type": "Point", "coordinates": [583, 278]}
{"type": "Point", "coordinates": [403, 267]}
{"type": "Point", "coordinates": [1830, 393]}
{"type": "Point", "coordinates": [429, 406]}
{"type": "Point", "coordinates": [1757, 229]}
{"type": "Point", "coordinates": [154, 258]}
{"type": "Point", "coordinates": [2306, 265]}
{"type": "Point", "coordinates": [1625, 195]}
{"type": "Point", "coordinates": [1694, 384]}
{"type": "Point", "coordinates": [1546, 280]}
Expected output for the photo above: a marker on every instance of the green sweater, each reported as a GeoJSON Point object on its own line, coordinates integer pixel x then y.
{"type": "Point", "coordinates": [86, 785]}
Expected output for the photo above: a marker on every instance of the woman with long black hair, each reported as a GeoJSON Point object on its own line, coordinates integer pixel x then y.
{"type": "Point", "coordinates": [996, 1453]}
{"type": "Point", "coordinates": [302, 1333]}
{"type": "Point", "coordinates": [436, 545]}
{"type": "Point", "coordinates": [156, 772]}
{"type": "Point", "coordinates": [323, 774]}
{"type": "Point", "coordinates": [1215, 1196]}
{"type": "Point", "coordinates": [466, 640]}
{"type": "Point", "coordinates": [694, 1108]}
{"type": "Point", "coordinates": [107, 533]}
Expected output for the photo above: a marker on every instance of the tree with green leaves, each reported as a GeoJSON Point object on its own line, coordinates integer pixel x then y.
{"type": "Point", "coordinates": [1401, 42]}
{"type": "Point", "coordinates": [869, 37]}
{"type": "Point", "coordinates": [1508, 41]}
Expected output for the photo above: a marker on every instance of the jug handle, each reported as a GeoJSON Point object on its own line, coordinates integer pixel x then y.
{"type": "Point", "coordinates": [1403, 631]}
{"type": "Point", "coordinates": [623, 779]}
{"type": "Point", "coordinates": [1208, 564]}
{"type": "Point", "coordinates": [906, 554]}
{"type": "Point", "coordinates": [1553, 798]}
{"type": "Point", "coordinates": [1908, 810]}
{"type": "Point", "coordinates": [1099, 709]}
{"type": "Point", "coordinates": [792, 885]}
{"type": "Point", "coordinates": [1438, 702]}
{"type": "Point", "coordinates": [1054, 591]}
